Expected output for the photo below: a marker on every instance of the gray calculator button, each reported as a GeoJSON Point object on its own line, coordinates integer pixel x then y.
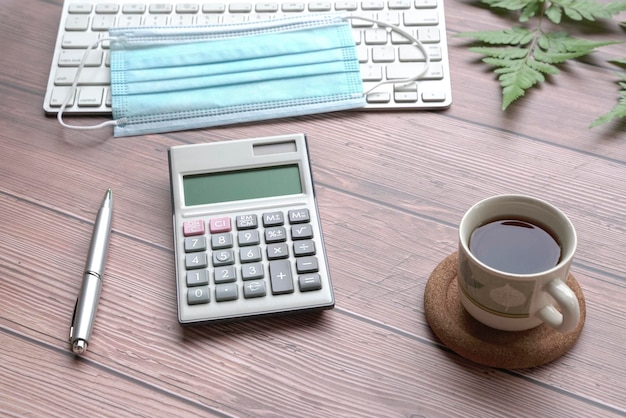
{"type": "Point", "coordinates": [306, 265]}
{"type": "Point", "coordinates": [225, 274]}
{"type": "Point", "coordinates": [197, 295]}
{"type": "Point", "coordinates": [195, 244]}
{"type": "Point", "coordinates": [276, 234]}
{"type": "Point", "coordinates": [223, 257]}
{"type": "Point", "coordinates": [280, 277]}
{"type": "Point", "coordinates": [197, 278]}
{"type": "Point", "coordinates": [196, 261]}
{"type": "Point", "coordinates": [277, 251]}
{"type": "Point", "coordinates": [252, 271]}
{"type": "Point", "coordinates": [273, 219]}
{"type": "Point", "coordinates": [219, 241]}
{"type": "Point", "coordinates": [248, 238]}
{"type": "Point", "coordinates": [310, 282]}
{"type": "Point", "coordinates": [224, 292]}
{"type": "Point", "coordinates": [250, 254]}
{"type": "Point", "coordinates": [254, 289]}
{"type": "Point", "coordinates": [299, 216]}
{"type": "Point", "coordinates": [301, 248]}
{"type": "Point", "coordinates": [304, 231]}
{"type": "Point", "coordinates": [247, 222]}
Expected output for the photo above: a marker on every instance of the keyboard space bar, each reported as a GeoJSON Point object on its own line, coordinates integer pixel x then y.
{"type": "Point", "coordinates": [88, 77]}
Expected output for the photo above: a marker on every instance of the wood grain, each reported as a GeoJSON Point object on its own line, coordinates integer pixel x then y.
{"type": "Point", "coordinates": [391, 188]}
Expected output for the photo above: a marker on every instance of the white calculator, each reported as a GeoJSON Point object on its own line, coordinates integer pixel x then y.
{"type": "Point", "coordinates": [247, 234]}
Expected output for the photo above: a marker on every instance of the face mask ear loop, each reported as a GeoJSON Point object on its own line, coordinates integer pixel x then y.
{"type": "Point", "coordinates": [72, 92]}
{"type": "Point", "coordinates": [417, 42]}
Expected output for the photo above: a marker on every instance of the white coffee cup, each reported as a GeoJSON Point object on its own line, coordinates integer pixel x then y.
{"type": "Point", "coordinates": [514, 300]}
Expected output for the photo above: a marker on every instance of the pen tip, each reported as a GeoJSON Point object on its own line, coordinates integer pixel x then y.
{"type": "Point", "coordinates": [79, 347]}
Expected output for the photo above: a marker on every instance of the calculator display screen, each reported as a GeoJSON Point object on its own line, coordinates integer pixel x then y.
{"type": "Point", "coordinates": [227, 186]}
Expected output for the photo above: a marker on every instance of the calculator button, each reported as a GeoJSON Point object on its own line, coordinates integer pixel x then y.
{"type": "Point", "coordinates": [224, 292]}
{"type": "Point", "coordinates": [276, 234]}
{"type": "Point", "coordinates": [306, 265]}
{"type": "Point", "coordinates": [302, 248]}
{"type": "Point", "coordinates": [252, 271]}
{"type": "Point", "coordinates": [198, 295]}
{"type": "Point", "coordinates": [223, 257]}
{"type": "Point", "coordinates": [196, 261]}
{"type": "Point", "coordinates": [195, 227]}
{"type": "Point", "coordinates": [310, 282]}
{"type": "Point", "coordinates": [217, 225]}
{"type": "Point", "coordinates": [277, 251]}
{"type": "Point", "coordinates": [273, 219]}
{"type": "Point", "coordinates": [193, 244]}
{"type": "Point", "coordinates": [280, 277]}
{"type": "Point", "coordinates": [301, 232]}
{"type": "Point", "coordinates": [225, 274]}
{"type": "Point", "coordinates": [254, 289]}
{"type": "Point", "coordinates": [220, 241]}
{"type": "Point", "coordinates": [197, 278]}
{"type": "Point", "coordinates": [299, 216]}
{"type": "Point", "coordinates": [247, 222]}
{"type": "Point", "coordinates": [248, 238]}
{"type": "Point", "coordinates": [250, 254]}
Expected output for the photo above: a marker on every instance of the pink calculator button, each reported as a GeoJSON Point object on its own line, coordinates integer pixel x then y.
{"type": "Point", "coordinates": [219, 225]}
{"type": "Point", "coordinates": [195, 227]}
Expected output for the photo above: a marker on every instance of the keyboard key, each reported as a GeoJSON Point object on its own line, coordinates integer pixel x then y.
{"type": "Point", "coordinates": [319, 6]}
{"type": "Point", "coordinates": [59, 95]}
{"type": "Point", "coordinates": [254, 289]}
{"type": "Point", "coordinates": [134, 8]}
{"type": "Point", "coordinates": [77, 23]}
{"type": "Point", "coordinates": [425, 4]}
{"type": "Point", "coordinates": [423, 18]}
{"type": "Point", "coordinates": [433, 96]}
{"type": "Point", "coordinates": [266, 7]}
{"type": "Point", "coordinates": [408, 70]}
{"type": "Point", "coordinates": [77, 40]}
{"type": "Point", "coordinates": [88, 76]}
{"type": "Point", "coordinates": [91, 96]}
{"type": "Point", "coordinates": [73, 57]}
{"type": "Point", "coordinates": [213, 8]}
{"type": "Point", "coordinates": [102, 22]}
{"type": "Point", "coordinates": [160, 8]}
{"type": "Point", "coordinates": [198, 295]}
{"type": "Point", "coordinates": [293, 7]}
{"type": "Point", "coordinates": [187, 8]}
{"type": "Point", "coordinates": [378, 98]}
{"type": "Point", "coordinates": [226, 292]}
{"type": "Point", "coordinates": [280, 277]}
{"type": "Point", "coordinates": [310, 282]}
{"type": "Point", "coordinates": [240, 8]}
{"type": "Point", "coordinates": [107, 8]}
{"type": "Point", "coordinates": [82, 8]}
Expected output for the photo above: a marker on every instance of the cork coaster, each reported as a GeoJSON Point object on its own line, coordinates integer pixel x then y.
{"type": "Point", "coordinates": [463, 334]}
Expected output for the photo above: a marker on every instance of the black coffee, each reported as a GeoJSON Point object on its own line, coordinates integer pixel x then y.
{"type": "Point", "coordinates": [515, 246]}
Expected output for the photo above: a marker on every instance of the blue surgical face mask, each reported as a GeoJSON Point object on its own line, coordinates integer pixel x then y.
{"type": "Point", "coordinates": [175, 78]}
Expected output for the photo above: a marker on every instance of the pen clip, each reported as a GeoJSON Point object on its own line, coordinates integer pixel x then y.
{"type": "Point", "coordinates": [73, 318]}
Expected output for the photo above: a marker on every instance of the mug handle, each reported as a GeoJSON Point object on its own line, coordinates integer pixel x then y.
{"type": "Point", "coordinates": [566, 320]}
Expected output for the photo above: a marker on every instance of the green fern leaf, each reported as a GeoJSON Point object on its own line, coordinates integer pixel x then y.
{"type": "Point", "coordinates": [555, 48]}
{"type": "Point", "coordinates": [513, 36]}
{"type": "Point", "coordinates": [585, 9]}
{"type": "Point", "coordinates": [619, 111]}
{"type": "Point", "coordinates": [554, 13]}
{"type": "Point", "coordinates": [511, 4]}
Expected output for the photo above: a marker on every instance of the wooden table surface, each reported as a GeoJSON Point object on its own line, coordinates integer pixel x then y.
{"type": "Point", "coordinates": [391, 188]}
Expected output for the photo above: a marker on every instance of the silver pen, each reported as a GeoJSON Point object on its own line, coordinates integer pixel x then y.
{"type": "Point", "coordinates": [87, 302]}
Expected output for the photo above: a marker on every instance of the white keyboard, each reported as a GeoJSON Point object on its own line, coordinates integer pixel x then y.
{"type": "Point", "coordinates": [383, 55]}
